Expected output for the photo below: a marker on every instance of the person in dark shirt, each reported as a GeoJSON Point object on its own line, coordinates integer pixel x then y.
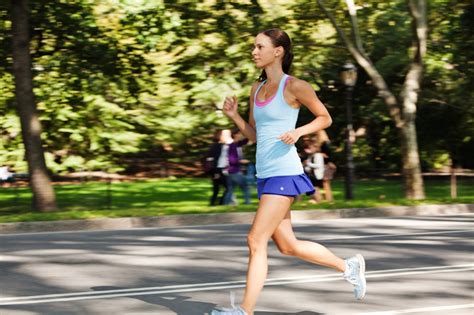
{"type": "Point", "coordinates": [216, 159]}
{"type": "Point", "coordinates": [235, 176]}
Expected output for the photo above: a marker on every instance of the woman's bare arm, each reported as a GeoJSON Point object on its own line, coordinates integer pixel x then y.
{"type": "Point", "coordinates": [306, 95]}
{"type": "Point", "coordinates": [230, 109]}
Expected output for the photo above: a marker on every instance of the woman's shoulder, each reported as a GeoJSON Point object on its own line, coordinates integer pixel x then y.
{"type": "Point", "coordinates": [295, 84]}
{"type": "Point", "coordinates": [255, 85]}
{"type": "Point", "coordinates": [254, 88]}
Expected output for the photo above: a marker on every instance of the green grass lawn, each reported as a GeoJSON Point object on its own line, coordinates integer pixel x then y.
{"type": "Point", "coordinates": [191, 195]}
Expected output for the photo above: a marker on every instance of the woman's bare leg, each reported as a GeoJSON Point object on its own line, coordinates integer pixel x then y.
{"type": "Point", "coordinates": [316, 197]}
{"type": "Point", "coordinates": [327, 190]}
{"type": "Point", "coordinates": [271, 211]}
{"type": "Point", "coordinates": [313, 252]}
{"type": "Point", "coordinates": [288, 244]}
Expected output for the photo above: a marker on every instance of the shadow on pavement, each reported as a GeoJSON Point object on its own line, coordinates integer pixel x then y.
{"type": "Point", "coordinates": [175, 303]}
{"type": "Point", "coordinates": [182, 306]}
{"type": "Point", "coordinates": [277, 313]}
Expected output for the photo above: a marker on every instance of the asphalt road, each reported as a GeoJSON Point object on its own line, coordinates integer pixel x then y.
{"type": "Point", "coordinates": [415, 265]}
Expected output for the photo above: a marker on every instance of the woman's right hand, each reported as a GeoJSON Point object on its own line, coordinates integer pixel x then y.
{"type": "Point", "coordinates": [230, 107]}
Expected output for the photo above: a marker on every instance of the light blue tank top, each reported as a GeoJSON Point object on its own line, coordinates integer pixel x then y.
{"type": "Point", "coordinates": [273, 118]}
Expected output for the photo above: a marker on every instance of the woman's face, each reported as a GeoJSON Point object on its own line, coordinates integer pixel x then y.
{"type": "Point", "coordinates": [226, 136]}
{"type": "Point", "coordinates": [264, 52]}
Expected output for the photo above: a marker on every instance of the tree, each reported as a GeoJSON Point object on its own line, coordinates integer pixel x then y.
{"type": "Point", "coordinates": [403, 113]}
{"type": "Point", "coordinates": [115, 82]}
{"type": "Point", "coordinates": [43, 193]}
{"type": "Point", "coordinates": [446, 117]}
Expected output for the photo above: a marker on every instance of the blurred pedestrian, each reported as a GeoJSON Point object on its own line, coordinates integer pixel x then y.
{"type": "Point", "coordinates": [324, 147]}
{"type": "Point", "coordinates": [314, 168]}
{"type": "Point", "coordinates": [274, 106]}
{"type": "Point", "coordinates": [5, 175]}
{"type": "Point", "coordinates": [235, 176]}
{"type": "Point", "coordinates": [216, 164]}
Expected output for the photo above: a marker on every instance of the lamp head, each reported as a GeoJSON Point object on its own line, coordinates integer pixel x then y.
{"type": "Point", "coordinates": [349, 74]}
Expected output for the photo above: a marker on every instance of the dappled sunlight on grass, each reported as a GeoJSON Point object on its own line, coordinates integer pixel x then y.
{"type": "Point", "coordinates": [191, 195]}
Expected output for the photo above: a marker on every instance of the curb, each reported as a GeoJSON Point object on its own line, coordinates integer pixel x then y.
{"type": "Point", "coordinates": [226, 218]}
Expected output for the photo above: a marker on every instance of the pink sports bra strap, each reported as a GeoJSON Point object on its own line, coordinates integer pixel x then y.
{"type": "Point", "coordinates": [288, 78]}
{"type": "Point", "coordinates": [280, 91]}
{"type": "Point", "coordinates": [256, 92]}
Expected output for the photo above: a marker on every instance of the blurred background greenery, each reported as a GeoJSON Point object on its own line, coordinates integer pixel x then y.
{"type": "Point", "coordinates": [117, 81]}
{"type": "Point", "coordinates": [136, 86]}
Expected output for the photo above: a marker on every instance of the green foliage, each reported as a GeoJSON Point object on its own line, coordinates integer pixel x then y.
{"type": "Point", "coordinates": [446, 117]}
{"type": "Point", "coordinates": [116, 79]}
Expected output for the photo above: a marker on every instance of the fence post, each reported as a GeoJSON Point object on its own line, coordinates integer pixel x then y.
{"type": "Point", "coordinates": [109, 192]}
{"type": "Point", "coordinates": [454, 188]}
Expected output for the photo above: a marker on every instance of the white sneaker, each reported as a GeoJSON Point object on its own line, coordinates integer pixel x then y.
{"type": "Point", "coordinates": [235, 310]}
{"type": "Point", "coordinates": [355, 274]}
{"type": "Point", "coordinates": [229, 311]}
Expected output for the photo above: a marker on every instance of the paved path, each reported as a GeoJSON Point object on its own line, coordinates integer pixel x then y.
{"type": "Point", "coordinates": [419, 265]}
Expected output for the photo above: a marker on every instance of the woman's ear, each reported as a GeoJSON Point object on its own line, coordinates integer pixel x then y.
{"type": "Point", "coordinates": [279, 51]}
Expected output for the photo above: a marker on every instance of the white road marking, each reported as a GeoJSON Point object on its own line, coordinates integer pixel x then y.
{"type": "Point", "coordinates": [422, 309]}
{"type": "Point", "coordinates": [393, 235]}
{"type": "Point", "coordinates": [318, 239]}
{"type": "Point", "coordinates": [50, 298]}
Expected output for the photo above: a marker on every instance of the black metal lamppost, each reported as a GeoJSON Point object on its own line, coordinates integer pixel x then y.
{"type": "Point", "coordinates": [349, 78]}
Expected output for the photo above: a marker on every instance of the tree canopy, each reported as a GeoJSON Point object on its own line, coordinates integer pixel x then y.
{"type": "Point", "coordinates": [119, 79]}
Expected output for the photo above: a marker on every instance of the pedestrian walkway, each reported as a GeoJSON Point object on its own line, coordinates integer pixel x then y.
{"type": "Point", "coordinates": [226, 218]}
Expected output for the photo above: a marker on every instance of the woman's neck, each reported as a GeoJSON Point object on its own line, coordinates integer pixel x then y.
{"type": "Point", "coordinates": [274, 74]}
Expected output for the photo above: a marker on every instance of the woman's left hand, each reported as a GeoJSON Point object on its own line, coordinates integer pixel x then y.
{"type": "Point", "coordinates": [289, 137]}
{"type": "Point", "coordinates": [230, 107]}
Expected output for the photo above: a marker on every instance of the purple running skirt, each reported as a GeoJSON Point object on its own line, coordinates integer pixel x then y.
{"type": "Point", "coordinates": [292, 185]}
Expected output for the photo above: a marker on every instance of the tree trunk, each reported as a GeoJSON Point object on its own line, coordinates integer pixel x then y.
{"type": "Point", "coordinates": [414, 188]}
{"type": "Point", "coordinates": [43, 193]}
{"type": "Point", "coordinates": [413, 181]}
{"type": "Point", "coordinates": [453, 183]}
{"type": "Point", "coordinates": [404, 114]}
{"type": "Point", "coordinates": [411, 161]}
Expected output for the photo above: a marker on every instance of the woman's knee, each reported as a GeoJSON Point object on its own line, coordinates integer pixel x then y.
{"type": "Point", "coordinates": [256, 243]}
{"type": "Point", "coordinates": [287, 249]}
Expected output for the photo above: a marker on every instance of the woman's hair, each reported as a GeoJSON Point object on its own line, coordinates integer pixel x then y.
{"type": "Point", "coordinates": [321, 137]}
{"type": "Point", "coordinates": [234, 131]}
{"type": "Point", "coordinates": [217, 135]}
{"type": "Point", "coordinates": [279, 38]}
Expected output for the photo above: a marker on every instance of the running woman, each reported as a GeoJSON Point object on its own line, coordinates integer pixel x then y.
{"type": "Point", "coordinates": [274, 105]}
